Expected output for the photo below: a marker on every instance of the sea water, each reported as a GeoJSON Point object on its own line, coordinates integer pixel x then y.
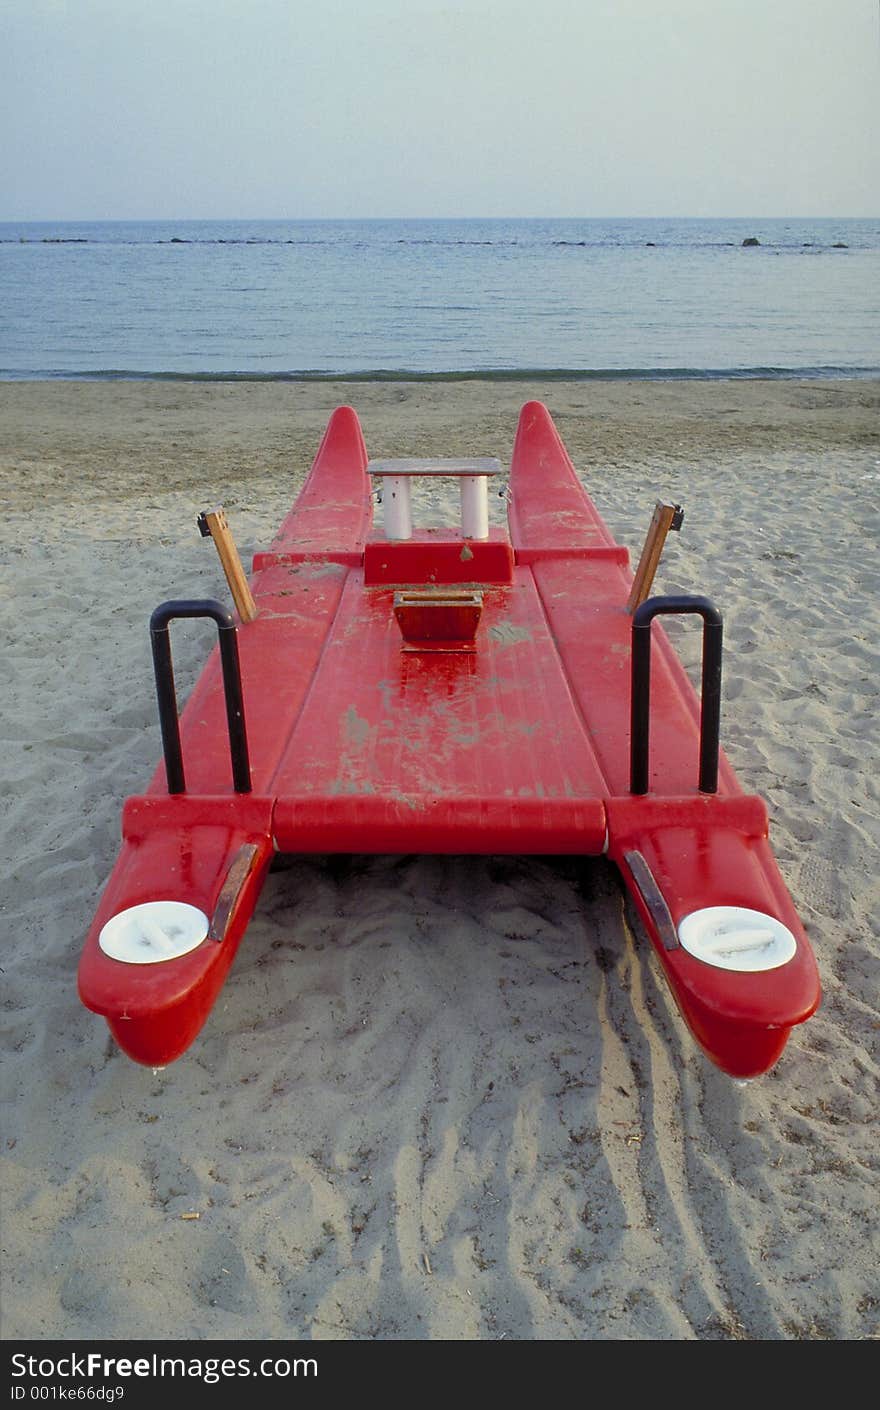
{"type": "Point", "coordinates": [275, 299]}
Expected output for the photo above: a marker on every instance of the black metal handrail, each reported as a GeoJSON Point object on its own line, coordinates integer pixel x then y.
{"type": "Point", "coordinates": [710, 702]}
{"type": "Point", "coordinates": [167, 696]}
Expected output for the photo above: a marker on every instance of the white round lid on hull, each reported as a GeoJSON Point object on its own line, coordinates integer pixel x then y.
{"type": "Point", "coordinates": [153, 932]}
{"type": "Point", "coordinates": [735, 938]}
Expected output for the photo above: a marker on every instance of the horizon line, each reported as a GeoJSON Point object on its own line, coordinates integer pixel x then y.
{"type": "Point", "coordinates": [328, 219]}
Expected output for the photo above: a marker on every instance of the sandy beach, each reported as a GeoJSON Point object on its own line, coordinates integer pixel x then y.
{"type": "Point", "coordinates": [438, 1097]}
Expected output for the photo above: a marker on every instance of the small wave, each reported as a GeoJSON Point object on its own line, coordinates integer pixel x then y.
{"type": "Point", "coordinates": [488, 244]}
{"type": "Point", "coordinates": [136, 244]}
{"type": "Point", "coordinates": [47, 240]}
{"type": "Point", "coordinates": [180, 240]}
{"type": "Point", "coordinates": [497, 374]}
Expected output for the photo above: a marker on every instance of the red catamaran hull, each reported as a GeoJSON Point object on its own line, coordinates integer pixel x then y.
{"type": "Point", "coordinates": [518, 744]}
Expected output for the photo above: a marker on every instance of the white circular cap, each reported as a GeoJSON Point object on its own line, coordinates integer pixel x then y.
{"type": "Point", "coordinates": [153, 932]}
{"type": "Point", "coordinates": [732, 937]}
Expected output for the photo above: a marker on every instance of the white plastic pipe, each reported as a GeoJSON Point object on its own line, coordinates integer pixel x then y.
{"type": "Point", "coordinates": [397, 506]}
{"type": "Point", "coordinates": [474, 506]}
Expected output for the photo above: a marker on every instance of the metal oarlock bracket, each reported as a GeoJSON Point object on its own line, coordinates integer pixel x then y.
{"type": "Point", "coordinates": [166, 695]}
{"type": "Point", "coordinates": [710, 702]}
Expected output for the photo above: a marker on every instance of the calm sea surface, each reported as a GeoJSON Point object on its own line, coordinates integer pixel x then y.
{"type": "Point", "coordinates": [276, 299]}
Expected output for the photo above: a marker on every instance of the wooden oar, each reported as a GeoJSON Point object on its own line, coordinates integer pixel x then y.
{"type": "Point", "coordinates": [214, 523]}
{"type": "Point", "coordinates": [666, 517]}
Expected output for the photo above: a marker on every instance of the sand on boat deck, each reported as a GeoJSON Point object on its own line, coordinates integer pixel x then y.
{"type": "Point", "coordinates": [438, 1097]}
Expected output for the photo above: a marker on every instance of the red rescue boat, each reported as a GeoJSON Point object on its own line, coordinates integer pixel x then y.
{"type": "Point", "coordinates": [487, 691]}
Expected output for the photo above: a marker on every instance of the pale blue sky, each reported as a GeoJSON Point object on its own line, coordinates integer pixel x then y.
{"type": "Point", "coordinates": [279, 108]}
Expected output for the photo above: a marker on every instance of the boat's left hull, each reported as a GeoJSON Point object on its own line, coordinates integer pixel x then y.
{"type": "Point", "coordinates": [209, 853]}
